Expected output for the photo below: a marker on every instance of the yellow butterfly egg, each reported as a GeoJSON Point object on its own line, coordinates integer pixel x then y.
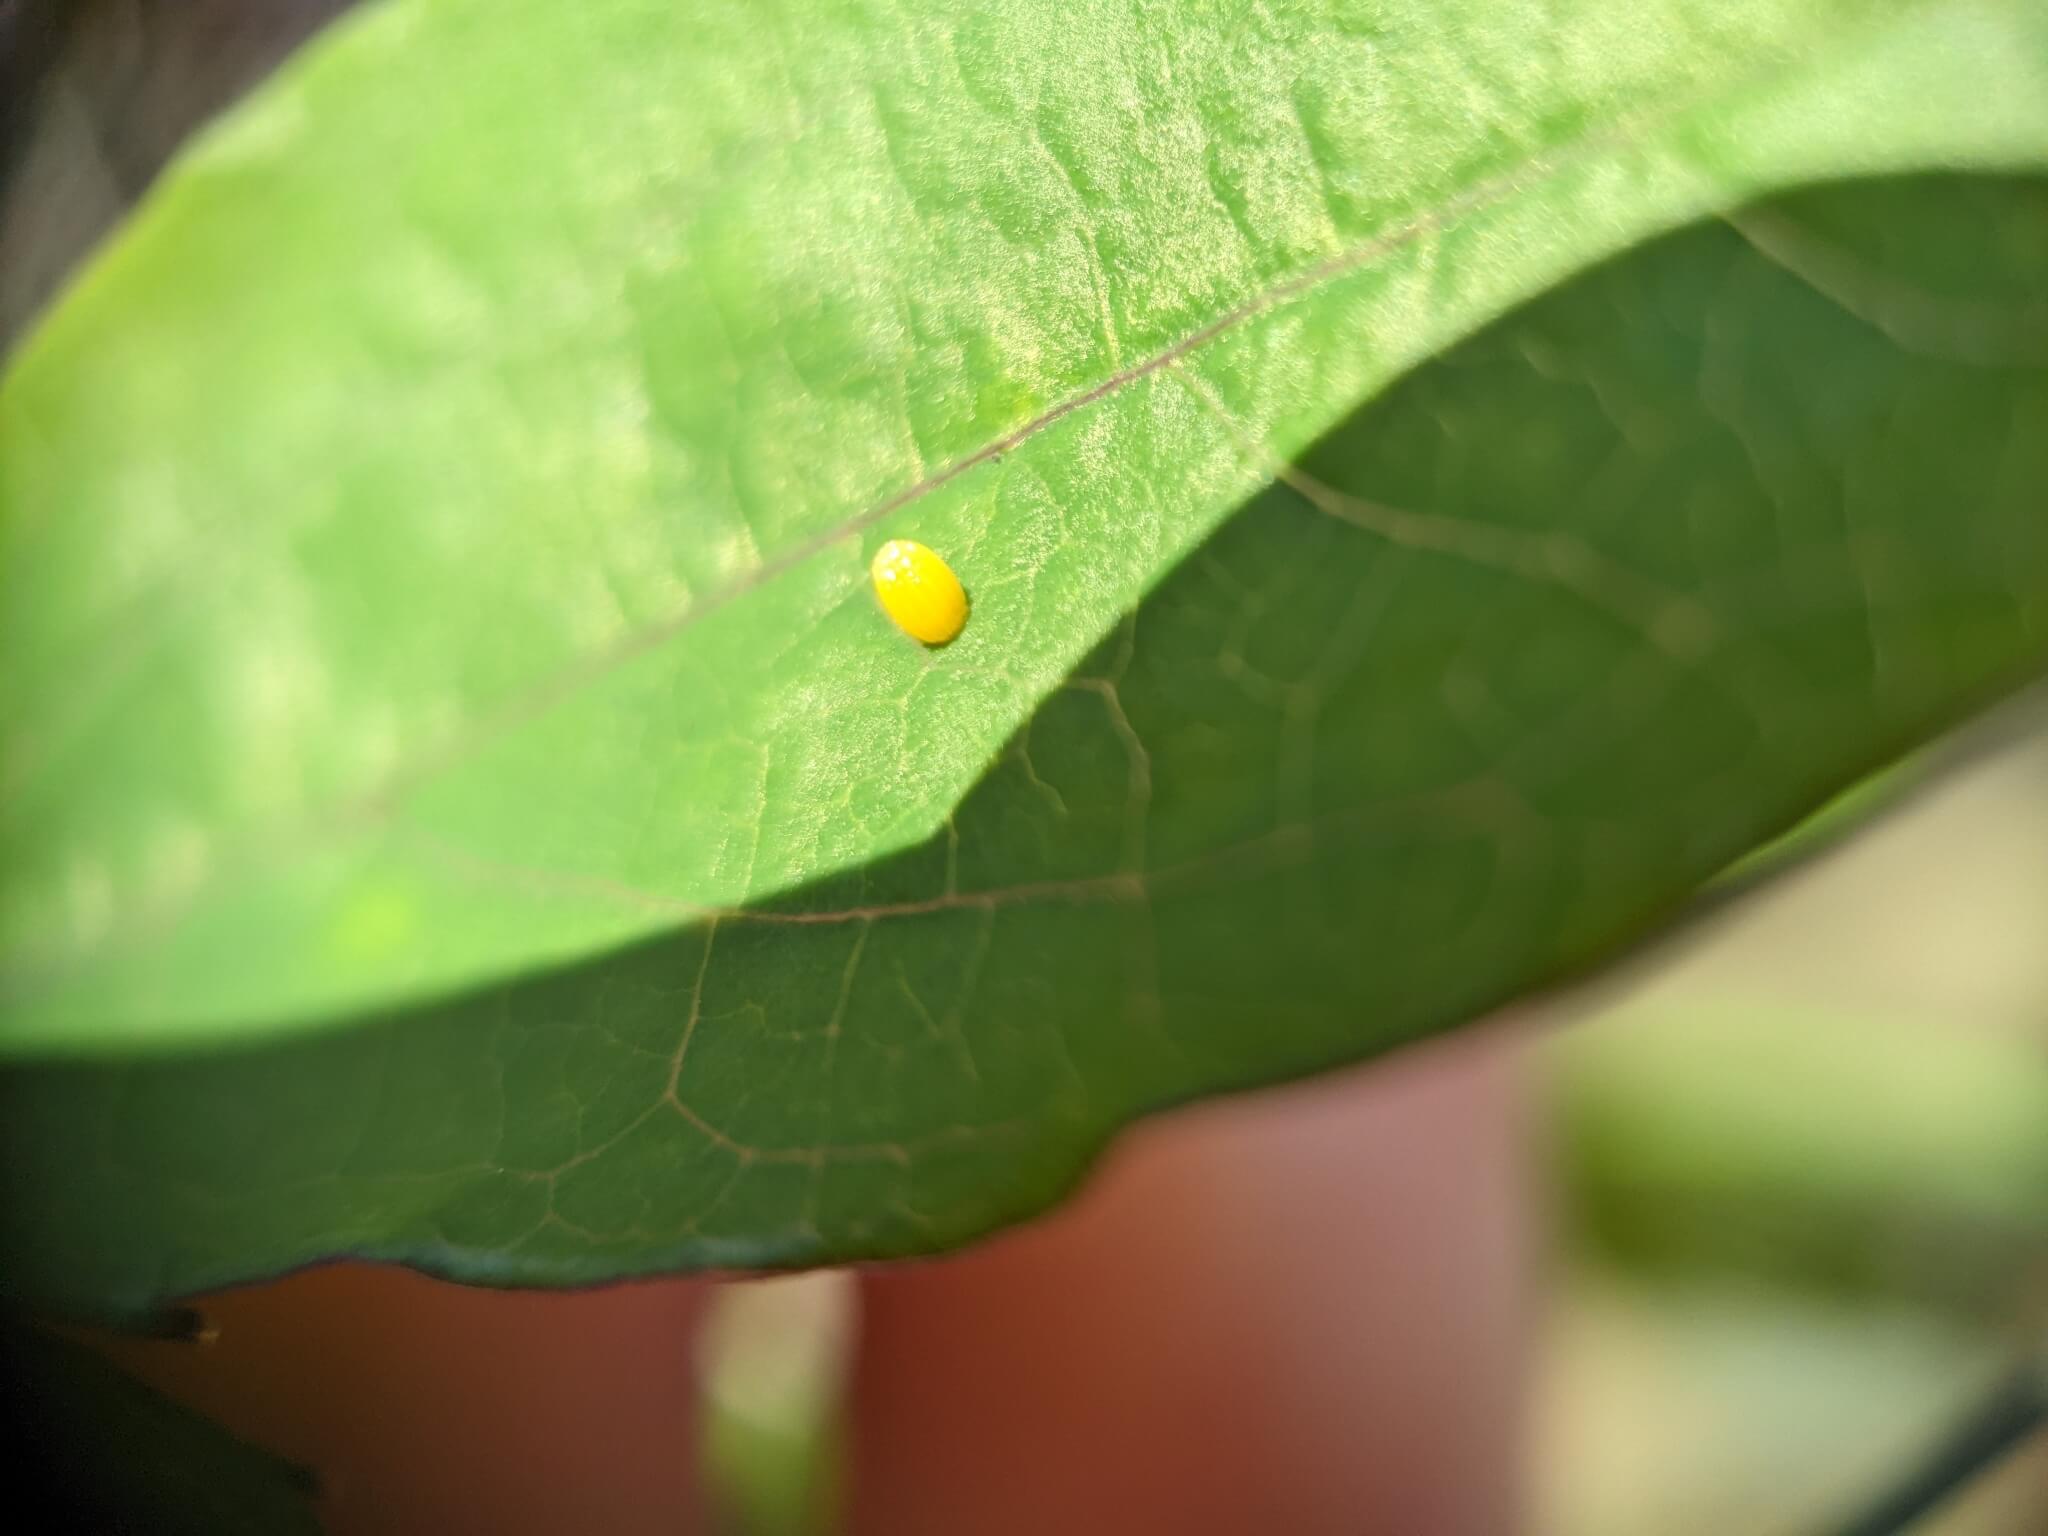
{"type": "Point", "coordinates": [919, 591]}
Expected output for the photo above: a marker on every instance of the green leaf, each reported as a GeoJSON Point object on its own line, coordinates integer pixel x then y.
{"type": "Point", "coordinates": [447, 506]}
{"type": "Point", "coordinates": [95, 1450]}
{"type": "Point", "coordinates": [476, 605]}
{"type": "Point", "coordinates": [1327, 791]}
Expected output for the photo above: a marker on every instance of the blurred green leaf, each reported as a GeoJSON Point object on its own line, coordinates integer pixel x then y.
{"type": "Point", "coordinates": [1853, 1155]}
{"type": "Point", "coordinates": [93, 1450]}
{"type": "Point", "coordinates": [484, 589]}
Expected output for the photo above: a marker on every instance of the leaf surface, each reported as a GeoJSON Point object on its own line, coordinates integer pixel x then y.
{"type": "Point", "coordinates": [1385, 751]}
{"type": "Point", "coordinates": [436, 531]}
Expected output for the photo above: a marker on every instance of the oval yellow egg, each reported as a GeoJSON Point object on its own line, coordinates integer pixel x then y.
{"type": "Point", "coordinates": [919, 591]}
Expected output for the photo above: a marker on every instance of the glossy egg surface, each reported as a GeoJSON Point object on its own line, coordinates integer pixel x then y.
{"type": "Point", "coordinates": [919, 591]}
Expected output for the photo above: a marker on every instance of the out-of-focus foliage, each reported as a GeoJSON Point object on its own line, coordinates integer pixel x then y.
{"type": "Point", "coordinates": [1803, 1179]}
{"type": "Point", "coordinates": [1838, 1153]}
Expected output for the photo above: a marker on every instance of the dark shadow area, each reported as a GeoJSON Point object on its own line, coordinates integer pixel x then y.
{"type": "Point", "coordinates": [95, 98]}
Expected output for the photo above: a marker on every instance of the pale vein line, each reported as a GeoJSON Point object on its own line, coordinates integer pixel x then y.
{"type": "Point", "coordinates": [1928, 325]}
{"type": "Point", "coordinates": [1476, 797]}
{"type": "Point", "coordinates": [682, 1050]}
{"type": "Point", "coordinates": [1678, 625]}
{"type": "Point", "coordinates": [834, 1028]}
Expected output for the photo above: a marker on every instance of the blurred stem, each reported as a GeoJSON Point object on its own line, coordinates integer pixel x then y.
{"type": "Point", "coordinates": [2015, 1409]}
{"type": "Point", "coordinates": [773, 1358]}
